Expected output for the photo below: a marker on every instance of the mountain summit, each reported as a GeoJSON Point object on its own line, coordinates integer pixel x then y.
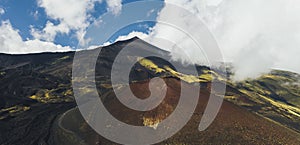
{"type": "Point", "coordinates": [37, 105]}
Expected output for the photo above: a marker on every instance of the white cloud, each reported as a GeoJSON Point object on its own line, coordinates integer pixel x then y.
{"type": "Point", "coordinates": [150, 12]}
{"type": "Point", "coordinates": [71, 14]}
{"type": "Point", "coordinates": [50, 31]}
{"type": "Point", "coordinates": [133, 34]}
{"type": "Point", "coordinates": [35, 15]}
{"type": "Point", "coordinates": [115, 6]}
{"type": "Point", "coordinates": [11, 42]}
{"type": "Point", "coordinates": [2, 11]}
{"type": "Point", "coordinates": [259, 35]}
{"type": "Point", "coordinates": [254, 35]}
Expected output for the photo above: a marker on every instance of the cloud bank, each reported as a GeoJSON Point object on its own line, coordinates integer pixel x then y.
{"type": "Point", "coordinates": [11, 42]}
{"type": "Point", "coordinates": [255, 36]}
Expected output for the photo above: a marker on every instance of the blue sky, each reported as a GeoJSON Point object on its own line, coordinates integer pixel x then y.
{"type": "Point", "coordinates": [25, 15]}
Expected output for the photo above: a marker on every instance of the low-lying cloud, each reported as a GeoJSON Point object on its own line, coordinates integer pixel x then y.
{"type": "Point", "coordinates": [255, 36]}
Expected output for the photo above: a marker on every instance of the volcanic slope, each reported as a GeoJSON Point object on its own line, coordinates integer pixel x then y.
{"type": "Point", "coordinates": [36, 90]}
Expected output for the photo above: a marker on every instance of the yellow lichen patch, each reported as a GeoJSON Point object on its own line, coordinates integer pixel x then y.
{"type": "Point", "coordinates": [257, 89]}
{"type": "Point", "coordinates": [207, 77]}
{"type": "Point", "coordinates": [280, 105]}
{"type": "Point", "coordinates": [193, 79]}
{"type": "Point", "coordinates": [261, 91]}
{"type": "Point", "coordinates": [215, 75]}
{"type": "Point", "coordinates": [254, 97]}
{"type": "Point", "coordinates": [60, 59]}
{"type": "Point", "coordinates": [68, 93]}
{"type": "Point", "coordinates": [291, 109]}
{"type": "Point", "coordinates": [65, 57]}
{"type": "Point", "coordinates": [15, 109]}
{"type": "Point", "coordinates": [186, 78]}
{"type": "Point", "coordinates": [294, 113]}
{"type": "Point", "coordinates": [172, 71]}
{"type": "Point", "coordinates": [150, 65]}
{"type": "Point", "coordinates": [33, 97]}
{"type": "Point", "coordinates": [230, 97]}
{"type": "Point", "coordinates": [52, 96]}
{"type": "Point", "coordinates": [151, 122]}
{"type": "Point", "coordinates": [153, 118]}
{"type": "Point", "coordinates": [47, 96]}
{"type": "Point", "coordinates": [26, 108]}
{"type": "Point", "coordinates": [8, 109]}
{"type": "Point", "coordinates": [235, 100]}
{"type": "Point", "coordinates": [277, 77]}
{"type": "Point", "coordinates": [107, 86]}
{"type": "Point", "coordinates": [85, 90]}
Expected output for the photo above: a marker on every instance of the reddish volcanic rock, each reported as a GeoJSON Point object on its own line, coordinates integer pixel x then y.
{"type": "Point", "coordinates": [233, 124]}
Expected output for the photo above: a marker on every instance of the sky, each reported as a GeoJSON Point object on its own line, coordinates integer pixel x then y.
{"type": "Point", "coordinates": [255, 36]}
{"type": "Point", "coordinates": [52, 23]}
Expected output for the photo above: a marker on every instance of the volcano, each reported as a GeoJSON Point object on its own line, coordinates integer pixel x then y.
{"type": "Point", "coordinates": [37, 104]}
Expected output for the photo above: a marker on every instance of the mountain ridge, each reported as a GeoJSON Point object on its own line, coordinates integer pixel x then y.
{"type": "Point", "coordinates": [37, 87]}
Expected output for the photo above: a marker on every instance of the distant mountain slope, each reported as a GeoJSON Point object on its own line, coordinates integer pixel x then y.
{"type": "Point", "coordinates": [275, 95]}
{"type": "Point", "coordinates": [35, 90]}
